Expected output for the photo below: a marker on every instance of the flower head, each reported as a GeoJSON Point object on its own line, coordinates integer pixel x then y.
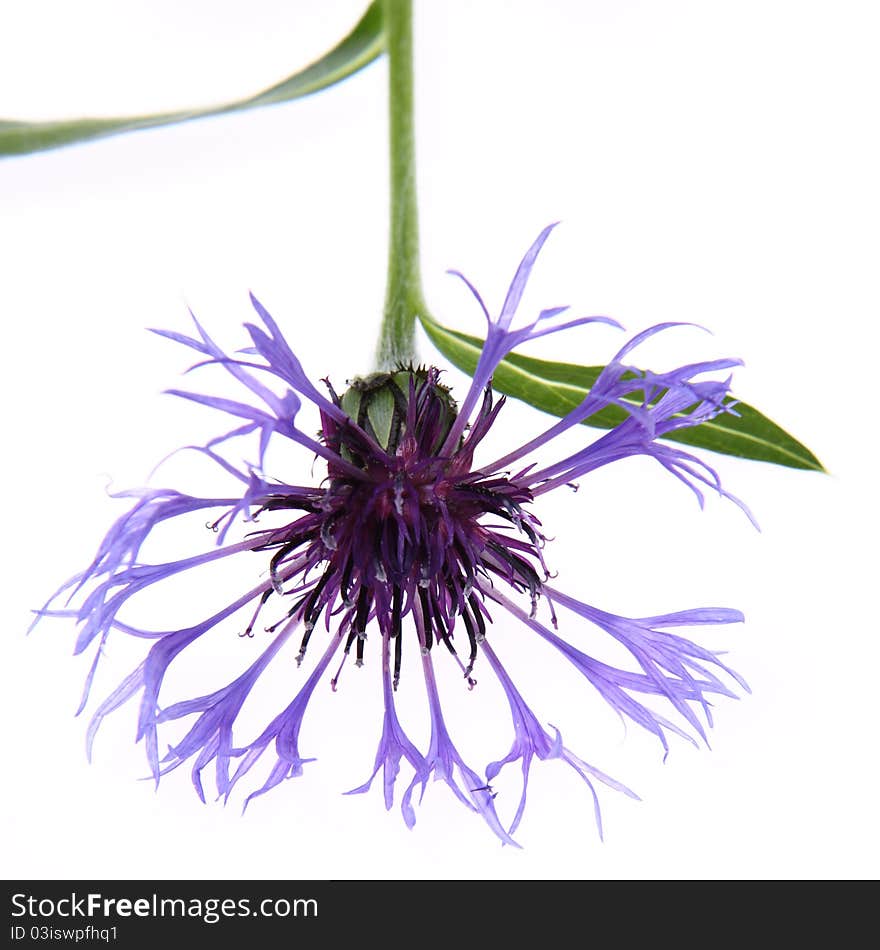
{"type": "Point", "coordinates": [410, 538]}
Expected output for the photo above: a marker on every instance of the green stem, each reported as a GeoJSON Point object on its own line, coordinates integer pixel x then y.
{"type": "Point", "coordinates": [403, 295]}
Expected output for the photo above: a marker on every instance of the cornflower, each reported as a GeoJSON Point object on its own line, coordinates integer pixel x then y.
{"type": "Point", "coordinates": [411, 536]}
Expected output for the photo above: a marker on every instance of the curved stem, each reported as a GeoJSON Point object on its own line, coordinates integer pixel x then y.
{"type": "Point", "coordinates": [403, 294]}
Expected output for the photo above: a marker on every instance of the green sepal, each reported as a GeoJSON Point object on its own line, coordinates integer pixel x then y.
{"type": "Point", "coordinates": [378, 403]}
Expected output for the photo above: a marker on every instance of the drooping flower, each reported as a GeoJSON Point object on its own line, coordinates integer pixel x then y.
{"type": "Point", "coordinates": [408, 534]}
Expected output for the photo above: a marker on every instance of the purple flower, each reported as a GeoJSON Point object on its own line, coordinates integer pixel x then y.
{"type": "Point", "coordinates": [410, 538]}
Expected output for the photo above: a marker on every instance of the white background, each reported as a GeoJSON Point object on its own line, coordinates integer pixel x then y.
{"type": "Point", "coordinates": [712, 162]}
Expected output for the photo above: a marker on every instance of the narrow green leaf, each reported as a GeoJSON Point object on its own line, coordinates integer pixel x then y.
{"type": "Point", "coordinates": [558, 388]}
{"type": "Point", "coordinates": [365, 42]}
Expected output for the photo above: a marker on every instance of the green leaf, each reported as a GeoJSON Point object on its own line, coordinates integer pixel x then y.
{"type": "Point", "coordinates": [365, 42]}
{"type": "Point", "coordinates": [558, 388]}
